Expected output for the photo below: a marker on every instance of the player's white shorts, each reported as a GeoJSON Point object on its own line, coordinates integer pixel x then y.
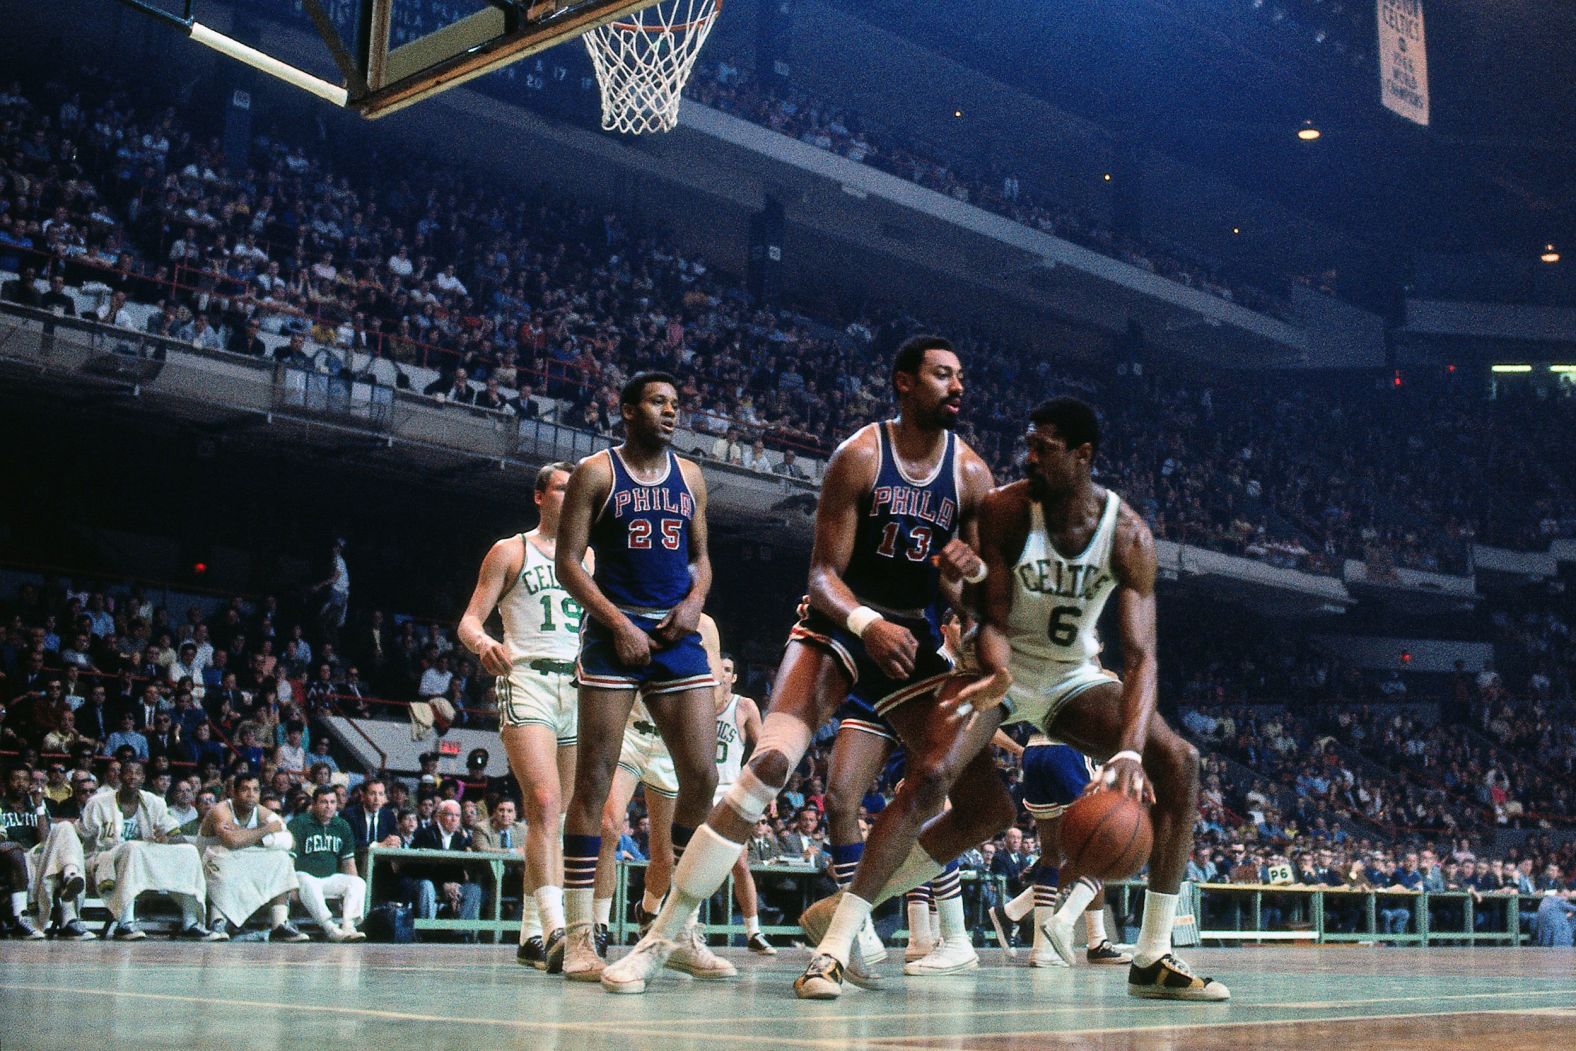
{"type": "Point", "coordinates": [541, 691]}
{"type": "Point", "coordinates": [1041, 688]}
{"type": "Point", "coordinates": [646, 757]}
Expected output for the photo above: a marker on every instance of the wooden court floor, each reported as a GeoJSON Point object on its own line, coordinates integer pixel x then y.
{"type": "Point", "coordinates": [163, 995]}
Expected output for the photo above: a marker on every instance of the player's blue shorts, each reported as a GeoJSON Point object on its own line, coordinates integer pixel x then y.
{"type": "Point", "coordinates": [856, 713]}
{"type": "Point", "coordinates": [681, 666]}
{"type": "Point", "coordinates": [873, 689]}
{"type": "Point", "coordinates": [1054, 776]}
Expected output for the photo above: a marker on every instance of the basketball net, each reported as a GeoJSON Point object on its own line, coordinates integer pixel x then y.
{"type": "Point", "coordinates": [643, 61]}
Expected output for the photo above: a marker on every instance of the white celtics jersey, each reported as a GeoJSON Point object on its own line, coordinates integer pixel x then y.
{"type": "Point", "coordinates": [730, 743]}
{"type": "Point", "coordinates": [540, 619]}
{"type": "Point", "coordinates": [1056, 601]}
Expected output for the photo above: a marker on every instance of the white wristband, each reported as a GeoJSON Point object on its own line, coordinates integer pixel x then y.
{"type": "Point", "coordinates": [978, 575]}
{"type": "Point", "coordinates": [860, 619]}
{"type": "Point", "coordinates": [1134, 756]}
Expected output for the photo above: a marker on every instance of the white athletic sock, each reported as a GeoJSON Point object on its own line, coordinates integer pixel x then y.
{"type": "Point", "coordinates": [128, 914]}
{"type": "Point", "coordinates": [919, 922]}
{"type": "Point", "coordinates": [278, 915]}
{"type": "Point", "coordinates": [935, 922]}
{"type": "Point", "coordinates": [707, 861]}
{"type": "Point", "coordinates": [1094, 921]}
{"type": "Point", "coordinates": [1042, 916]}
{"type": "Point", "coordinates": [530, 919]}
{"type": "Point", "coordinates": [652, 903]}
{"type": "Point", "coordinates": [191, 911]}
{"type": "Point", "coordinates": [1021, 906]}
{"type": "Point", "coordinates": [953, 927]}
{"type": "Point", "coordinates": [19, 903]}
{"type": "Point", "coordinates": [552, 903]}
{"type": "Point", "coordinates": [1079, 895]}
{"type": "Point", "coordinates": [1154, 937]}
{"type": "Point", "coordinates": [752, 925]}
{"type": "Point", "coordinates": [919, 867]}
{"type": "Point", "coordinates": [68, 910]}
{"type": "Point", "coordinates": [603, 908]}
{"type": "Point", "coordinates": [852, 912]}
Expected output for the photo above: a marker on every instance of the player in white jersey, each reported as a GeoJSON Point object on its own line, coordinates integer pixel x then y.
{"type": "Point", "coordinates": [537, 699]}
{"type": "Point", "coordinates": [1038, 626]}
{"type": "Point", "coordinates": [738, 728]}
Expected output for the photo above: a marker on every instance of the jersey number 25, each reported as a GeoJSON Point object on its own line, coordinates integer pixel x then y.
{"type": "Point", "coordinates": [640, 533]}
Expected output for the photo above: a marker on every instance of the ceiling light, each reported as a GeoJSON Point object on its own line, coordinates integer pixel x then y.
{"type": "Point", "coordinates": [1106, 176]}
{"type": "Point", "coordinates": [1563, 369]}
{"type": "Point", "coordinates": [1236, 230]}
{"type": "Point", "coordinates": [1308, 133]}
{"type": "Point", "coordinates": [1549, 254]}
{"type": "Point", "coordinates": [1510, 368]}
{"type": "Point", "coordinates": [957, 113]}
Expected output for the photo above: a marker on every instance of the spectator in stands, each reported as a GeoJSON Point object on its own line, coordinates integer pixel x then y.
{"type": "Point", "coordinates": [127, 736]}
{"type": "Point", "coordinates": [500, 831]}
{"type": "Point", "coordinates": [372, 821]}
{"type": "Point", "coordinates": [326, 866]}
{"type": "Point", "coordinates": [23, 290]}
{"type": "Point", "coordinates": [454, 882]}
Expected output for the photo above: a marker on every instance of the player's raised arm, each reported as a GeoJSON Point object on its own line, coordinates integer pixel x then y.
{"type": "Point", "coordinates": [851, 472]}
{"type": "Point", "coordinates": [1133, 561]}
{"type": "Point", "coordinates": [588, 489]}
{"type": "Point", "coordinates": [501, 565]}
{"type": "Point", "coordinates": [684, 617]}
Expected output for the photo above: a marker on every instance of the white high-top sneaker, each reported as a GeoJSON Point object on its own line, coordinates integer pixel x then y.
{"type": "Point", "coordinates": [581, 963]}
{"type": "Point", "coordinates": [946, 958]}
{"type": "Point", "coordinates": [691, 956]}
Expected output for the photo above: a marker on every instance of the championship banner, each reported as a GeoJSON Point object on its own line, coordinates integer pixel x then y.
{"type": "Point", "coordinates": [1403, 59]}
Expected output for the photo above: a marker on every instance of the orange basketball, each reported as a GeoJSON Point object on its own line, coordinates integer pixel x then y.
{"type": "Point", "coordinates": [1107, 835]}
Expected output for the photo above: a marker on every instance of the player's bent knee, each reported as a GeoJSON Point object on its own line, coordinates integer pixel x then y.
{"type": "Point", "coordinates": [929, 786]}
{"type": "Point", "coordinates": [770, 766]}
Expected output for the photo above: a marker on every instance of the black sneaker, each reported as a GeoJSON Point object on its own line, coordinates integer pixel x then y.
{"type": "Point", "coordinates": [532, 953]}
{"type": "Point", "coordinates": [198, 933]}
{"type": "Point", "coordinates": [1168, 978]}
{"type": "Point", "coordinates": [554, 956]}
{"type": "Point", "coordinates": [287, 932]}
{"type": "Point", "coordinates": [1006, 931]}
{"type": "Point", "coordinates": [74, 929]}
{"type": "Point", "coordinates": [599, 937]}
{"type": "Point", "coordinates": [1108, 954]}
{"type": "Point", "coordinates": [645, 919]}
{"type": "Point", "coordinates": [822, 980]}
{"type": "Point", "coordinates": [220, 929]}
{"type": "Point", "coordinates": [71, 888]}
{"type": "Point", "coordinates": [22, 927]}
{"type": "Point", "coordinates": [129, 932]}
{"type": "Point", "coordinates": [757, 943]}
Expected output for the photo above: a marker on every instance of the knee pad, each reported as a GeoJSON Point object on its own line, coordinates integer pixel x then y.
{"type": "Point", "coordinates": [786, 735]}
{"type": "Point", "coordinates": [750, 796]}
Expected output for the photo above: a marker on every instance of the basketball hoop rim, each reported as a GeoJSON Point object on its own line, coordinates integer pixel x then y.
{"type": "Point", "coordinates": [682, 27]}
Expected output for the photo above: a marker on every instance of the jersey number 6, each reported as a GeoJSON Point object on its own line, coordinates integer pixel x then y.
{"type": "Point", "coordinates": [1063, 628]}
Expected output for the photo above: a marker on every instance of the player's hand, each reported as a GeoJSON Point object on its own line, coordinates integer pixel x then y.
{"type": "Point", "coordinates": [959, 561]}
{"type": "Point", "coordinates": [803, 609]}
{"type": "Point", "coordinates": [681, 620]}
{"type": "Point", "coordinates": [1125, 776]}
{"type": "Point", "coordinates": [983, 693]}
{"type": "Point", "coordinates": [892, 647]}
{"type": "Point", "coordinates": [494, 656]}
{"type": "Point", "coordinates": [632, 645]}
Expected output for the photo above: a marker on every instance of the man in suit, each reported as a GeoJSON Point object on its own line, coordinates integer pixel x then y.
{"type": "Point", "coordinates": [1011, 861]}
{"type": "Point", "coordinates": [372, 821]}
{"type": "Point", "coordinates": [802, 842]}
{"type": "Point", "coordinates": [500, 832]}
{"type": "Point", "coordinates": [164, 739]}
{"type": "Point", "coordinates": [455, 884]}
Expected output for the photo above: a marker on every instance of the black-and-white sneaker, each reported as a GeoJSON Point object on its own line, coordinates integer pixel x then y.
{"type": "Point", "coordinates": [22, 927]}
{"type": "Point", "coordinates": [71, 887]}
{"type": "Point", "coordinates": [1107, 954]}
{"type": "Point", "coordinates": [757, 943]}
{"type": "Point", "coordinates": [1006, 931]}
{"type": "Point", "coordinates": [287, 932]}
{"type": "Point", "coordinates": [129, 932]}
{"type": "Point", "coordinates": [599, 937]}
{"type": "Point", "coordinates": [196, 932]}
{"type": "Point", "coordinates": [1168, 978]}
{"type": "Point", "coordinates": [822, 980]}
{"type": "Point", "coordinates": [532, 953]}
{"type": "Point", "coordinates": [557, 941]}
{"type": "Point", "coordinates": [644, 920]}
{"type": "Point", "coordinates": [220, 929]}
{"type": "Point", "coordinates": [75, 930]}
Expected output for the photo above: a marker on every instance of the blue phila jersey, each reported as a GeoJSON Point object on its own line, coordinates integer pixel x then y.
{"type": "Point", "coordinates": [641, 538]}
{"type": "Point", "coordinates": [903, 521]}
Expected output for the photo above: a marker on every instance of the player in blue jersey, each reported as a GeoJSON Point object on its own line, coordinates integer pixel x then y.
{"type": "Point", "coordinates": [896, 511]}
{"type": "Point", "coordinates": [642, 510]}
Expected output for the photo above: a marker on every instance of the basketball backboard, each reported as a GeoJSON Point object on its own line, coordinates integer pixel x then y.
{"type": "Point", "coordinates": [378, 78]}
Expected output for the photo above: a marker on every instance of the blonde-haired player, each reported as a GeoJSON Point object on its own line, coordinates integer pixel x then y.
{"type": "Point", "coordinates": [537, 700]}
